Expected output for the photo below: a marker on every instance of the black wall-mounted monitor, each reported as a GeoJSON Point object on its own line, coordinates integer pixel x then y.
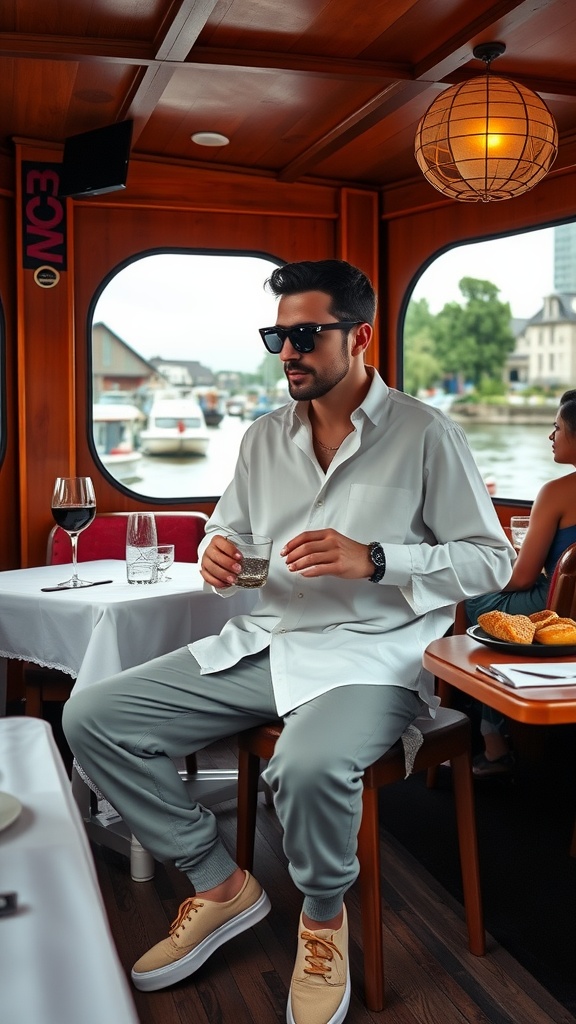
{"type": "Point", "coordinates": [96, 162]}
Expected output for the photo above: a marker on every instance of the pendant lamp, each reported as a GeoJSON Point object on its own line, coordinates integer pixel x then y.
{"type": "Point", "coordinates": [487, 139]}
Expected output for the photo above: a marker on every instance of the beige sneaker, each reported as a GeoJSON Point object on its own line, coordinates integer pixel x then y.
{"type": "Point", "coordinates": [200, 928]}
{"type": "Point", "coordinates": [320, 988]}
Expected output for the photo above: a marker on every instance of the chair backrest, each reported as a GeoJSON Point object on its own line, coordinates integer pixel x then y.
{"type": "Point", "coordinates": [106, 537]}
{"type": "Point", "coordinates": [562, 591]}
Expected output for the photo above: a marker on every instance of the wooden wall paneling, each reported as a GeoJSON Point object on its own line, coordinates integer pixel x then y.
{"type": "Point", "coordinates": [183, 186]}
{"type": "Point", "coordinates": [264, 218]}
{"type": "Point", "coordinates": [9, 504]}
{"type": "Point", "coordinates": [358, 243]}
{"type": "Point", "coordinates": [45, 386]}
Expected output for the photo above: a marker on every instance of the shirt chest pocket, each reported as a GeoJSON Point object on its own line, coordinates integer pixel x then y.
{"type": "Point", "coordinates": [377, 512]}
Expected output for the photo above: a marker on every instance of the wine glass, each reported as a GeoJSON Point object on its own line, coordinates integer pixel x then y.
{"type": "Point", "coordinates": [73, 508]}
{"type": "Point", "coordinates": [165, 560]}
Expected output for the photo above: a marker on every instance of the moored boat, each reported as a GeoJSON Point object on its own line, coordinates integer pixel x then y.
{"type": "Point", "coordinates": [176, 426]}
{"type": "Point", "coordinates": [115, 438]}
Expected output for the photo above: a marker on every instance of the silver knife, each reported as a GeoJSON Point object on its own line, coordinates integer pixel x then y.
{"type": "Point", "coordinates": [98, 583]}
{"type": "Point", "coordinates": [543, 675]}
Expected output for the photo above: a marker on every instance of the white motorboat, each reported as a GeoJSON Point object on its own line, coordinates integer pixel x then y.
{"type": "Point", "coordinates": [176, 426]}
{"type": "Point", "coordinates": [115, 436]}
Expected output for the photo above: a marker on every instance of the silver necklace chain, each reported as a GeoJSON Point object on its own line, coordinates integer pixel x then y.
{"type": "Point", "coordinates": [327, 447]}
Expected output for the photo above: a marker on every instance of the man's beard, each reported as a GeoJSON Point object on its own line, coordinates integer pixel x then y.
{"type": "Point", "coordinates": [319, 384]}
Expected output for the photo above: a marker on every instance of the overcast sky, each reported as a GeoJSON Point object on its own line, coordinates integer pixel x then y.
{"type": "Point", "coordinates": [185, 306]}
{"type": "Point", "coordinates": [209, 308]}
{"type": "Point", "coordinates": [521, 266]}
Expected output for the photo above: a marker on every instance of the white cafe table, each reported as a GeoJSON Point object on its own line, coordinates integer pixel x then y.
{"type": "Point", "coordinates": [58, 961]}
{"type": "Point", "coordinates": [92, 633]}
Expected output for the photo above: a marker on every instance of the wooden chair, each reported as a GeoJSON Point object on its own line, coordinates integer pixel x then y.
{"type": "Point", "coordinates": [447, 737]}
{"type": "Point", "coordinates": [105, 538]}
{"type": "Point", "coordinates": [562, 592]}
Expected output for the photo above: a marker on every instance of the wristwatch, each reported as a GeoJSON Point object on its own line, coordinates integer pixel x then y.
{"type": "Point", "coordinates": [378, 559]}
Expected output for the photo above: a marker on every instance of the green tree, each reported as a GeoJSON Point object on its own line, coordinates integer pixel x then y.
{"type": "Point", "coordinates": [472, 341]}
{"type": "Point", "coordinates": [422, 368]}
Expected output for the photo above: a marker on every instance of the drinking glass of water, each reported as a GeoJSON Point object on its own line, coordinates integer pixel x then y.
{"type": "Point", "coordinates": [255, 554]}
{"type": "Point", "coordinates": [519, 529]}
{"type": "Point", "coordinates": [141, 548]}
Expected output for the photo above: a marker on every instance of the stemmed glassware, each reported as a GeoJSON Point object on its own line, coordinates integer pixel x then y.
{"type": "Point", "coordinates": [73, 508]}
{"type": "Point", "coordinates": [165, 560]}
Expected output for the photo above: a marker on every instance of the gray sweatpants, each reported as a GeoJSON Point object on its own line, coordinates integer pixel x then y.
{"type": "Point", "coordinates": [125, 730]}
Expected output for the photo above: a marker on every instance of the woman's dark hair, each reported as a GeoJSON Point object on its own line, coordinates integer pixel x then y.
{"type": "Point", "coordinates": [568, 410]}
{"type": "Point", "coordinates": [352, 295]}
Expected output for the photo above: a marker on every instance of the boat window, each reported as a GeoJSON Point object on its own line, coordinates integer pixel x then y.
{"type": "Point", "coordinates": [179, 370]}
{"type": "Point", "coordinates": [482, 337]}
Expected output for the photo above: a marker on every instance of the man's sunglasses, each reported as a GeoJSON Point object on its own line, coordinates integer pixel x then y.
{"type": "Point", "coordinates": [302, 336]}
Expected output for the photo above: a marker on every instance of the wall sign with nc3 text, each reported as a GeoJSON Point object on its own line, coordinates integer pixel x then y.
{"type": "Point", "coordinates": [43, 217]}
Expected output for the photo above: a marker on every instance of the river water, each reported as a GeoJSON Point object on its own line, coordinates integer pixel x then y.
{"type": "Point", "coordinates": [517, 457]}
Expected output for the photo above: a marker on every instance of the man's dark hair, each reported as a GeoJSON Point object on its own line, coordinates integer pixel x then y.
{"type": "Point", "coordinates": [351, 293]}
{"type": "Point", "coordinates": [568, 410]}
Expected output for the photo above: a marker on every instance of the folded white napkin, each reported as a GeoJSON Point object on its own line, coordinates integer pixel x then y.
{"type": "Point", "coordinates": [536, 674]}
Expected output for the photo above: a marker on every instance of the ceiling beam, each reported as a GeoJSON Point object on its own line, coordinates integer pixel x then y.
{"type": "Point", "coordinates": [386, 102]}
{"type": "Point", "coordinates": [330, 67]}
{"type": "Point", "coordinates": [457, 51]}
{"type": "Point", "coordinates": [173, 42]}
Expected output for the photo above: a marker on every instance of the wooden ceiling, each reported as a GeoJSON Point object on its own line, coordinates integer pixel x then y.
{"type": "Point", "coordinates": [304, 89]}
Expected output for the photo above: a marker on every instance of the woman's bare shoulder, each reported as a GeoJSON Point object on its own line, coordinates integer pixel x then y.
{"type": "Point", "coordinates": [559, 496]}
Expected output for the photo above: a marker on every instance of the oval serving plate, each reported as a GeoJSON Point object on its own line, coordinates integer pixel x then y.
{"type": "Point", "coordinates": [10, 810]}
{"type": "Point", "coordinates": [530, 650]}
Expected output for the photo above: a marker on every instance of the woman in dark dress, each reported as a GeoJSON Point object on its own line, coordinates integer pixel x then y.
{"type": "Point", "coordinates": [551, 530]}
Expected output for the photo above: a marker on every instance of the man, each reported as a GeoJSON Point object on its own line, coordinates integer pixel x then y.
{"type": "Point", "coordinates": [381, 523]}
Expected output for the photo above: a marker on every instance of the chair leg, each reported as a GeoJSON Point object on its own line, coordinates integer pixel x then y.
{"type": "Point", "coordinates": [444, 691]}
{"type": "Point", "coordinates": [371, 903]}
{"type": "Point", "coordinates": [573, 842]}
{"type": "Point", "coordinates": [248, 777]}
{"type": "Point", "coordinates": [34, 701]}
{"type": "Point", "coordinates": [468, 843]}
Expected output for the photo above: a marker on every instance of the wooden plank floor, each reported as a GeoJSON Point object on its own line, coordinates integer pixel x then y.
{"type": "Point", "coordinates": [431, 978]}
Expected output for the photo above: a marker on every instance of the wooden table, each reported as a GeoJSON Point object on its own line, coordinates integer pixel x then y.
{"type": "Point", "coordinates": [453, 661]}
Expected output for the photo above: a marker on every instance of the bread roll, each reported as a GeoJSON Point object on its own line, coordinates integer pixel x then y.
{"type": "Point", "coordinates": [543, 618]}
{"type": "Point", "coordinates": [559, 632]}
{"type": "Point", "coordinates": [516, 629]}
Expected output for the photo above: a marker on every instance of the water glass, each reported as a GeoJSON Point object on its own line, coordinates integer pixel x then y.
{"type": "Point", "coordinates": [518, 529]}
{"type": "Point", "coordinates": [165, 560]}
{"type": "Point", "coordinates": [255, 551]}
{"type": "Point", "coordinates": [141, 548]}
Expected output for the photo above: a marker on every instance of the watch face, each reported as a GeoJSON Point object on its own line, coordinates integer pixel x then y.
{"type": "Point", "coordinates": [377, 555]}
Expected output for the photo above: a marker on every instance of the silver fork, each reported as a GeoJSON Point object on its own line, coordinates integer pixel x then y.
{"type": "Point", "coordinates": [493, 673]}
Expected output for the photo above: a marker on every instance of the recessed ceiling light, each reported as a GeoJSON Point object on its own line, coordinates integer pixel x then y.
{"type": "Point", "coordinates": [210, 139]}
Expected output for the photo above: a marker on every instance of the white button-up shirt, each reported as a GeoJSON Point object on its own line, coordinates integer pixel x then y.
{"type": "Point", "coordinates": [405, 477]}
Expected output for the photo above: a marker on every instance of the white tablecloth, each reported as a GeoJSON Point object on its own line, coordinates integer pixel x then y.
{"type": "Point", "coordinates": [58, 963]}
{"type": "Point", "coordinates": [95, 632]}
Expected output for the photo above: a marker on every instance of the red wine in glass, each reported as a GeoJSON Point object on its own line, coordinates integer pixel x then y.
{"type": "Point", "coordinates": [73, 509]}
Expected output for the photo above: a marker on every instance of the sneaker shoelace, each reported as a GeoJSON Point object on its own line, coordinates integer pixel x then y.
{"type": "Point", "coordinates": [321, 953]}
{"type": "Point", "coordinates": [184, 911]}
